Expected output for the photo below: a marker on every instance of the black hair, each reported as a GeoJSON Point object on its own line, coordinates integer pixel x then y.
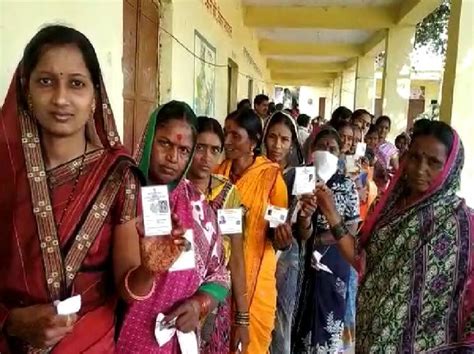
{"type": "Point", "coordinates": [245, 103]}
{"type": "Point", "coordinates": [400, 137]}
{"type": "Point", "coordinates": [303, 120]}
{"type": "Point", "coordinates": [343, 124]}
{"type": "Point", "coordinates": [439, 130]}
{"type": "Point", "coordinates": [259, 99]}
{"type": "Point", "coordinates": [325, 133]}
{"type": "Point", "coordinates": [282, 118]}
{"type": "Point", "coordinates": [382, 119]}
{"type": "Point", "coordinates": [57, 35]}
{"type": "Point", "coordinates": [248, 120]}
{"type": "Point", "coordinates": [279, 107]}
{"type": "Point", "coordinates": [373, 129]}
{"type": "Point", "coordinates": [271, 108]}
{"type": "Point", "coordinates": [176, 110]}
{"type": "Point", "coordinates": [340, 113]}
{"type": "Point", "coordinates": [210, 125]}
{"type": "Point", "coordinates": [359, 113]}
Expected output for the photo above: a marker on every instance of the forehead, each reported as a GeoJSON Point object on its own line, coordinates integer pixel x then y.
{"type": "Point", "coordinates": [177, 131]}
{"type": "Point", "coordinates": [346, 131]}
{"type": "Point", "coordinates": [208, 138]}
{"type": "Point", "coordinates": [279, 128]}
{"type": "Point", "coordinates": [327, 140]}
{"type": "Point", "coordinates": [429, 146]}
{"type": "Point", "coordinates": [66, 59]}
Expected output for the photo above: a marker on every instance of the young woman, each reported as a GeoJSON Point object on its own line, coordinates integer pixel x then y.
{"type": "Point", "coordinates": [322, 302]}
{"type": "Point", "coordinates": [362, 119]}
{"type": "Point", "coordinates": [282, 146]}
{"type": "Point", "coordinates": [68, 203]}
{"type": "Point", "coordinates": [260, 183]}
{"type": "Point", "coordinates": [402, 143]}
{"type": "Point", "coordinates": [198, 280]}
{"type": "Point", "coordinates": [221, 194]}
{"type": "Point", "coordinates": [415, 251]}
{"type": "Point", "coordinates": [387, 153]}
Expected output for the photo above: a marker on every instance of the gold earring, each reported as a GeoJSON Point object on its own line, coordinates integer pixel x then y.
{"type": "Point", "coordinates": [93, 107]}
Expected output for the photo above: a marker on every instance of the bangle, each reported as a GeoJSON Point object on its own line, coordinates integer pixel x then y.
{"type": "Point", "coordinates": [339, 231]}
{"type": "Point", "coordinates": [242, 319]}
{"type": "Point", "coordinates": [134, 296]}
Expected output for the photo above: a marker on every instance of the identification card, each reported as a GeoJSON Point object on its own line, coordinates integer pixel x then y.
{"type": "Point", "coordinates": [305, 180]}
{"type": "Point", "coordinates": [230, 221]}
{"type": "Point", "coordinates": [275, 215]}
{"type": "Point", "coordinates": [360, 150]}
{"type": "Point", "coordinates": [351, 164]}
{"type": "Point", "coordinates": [156, 210]}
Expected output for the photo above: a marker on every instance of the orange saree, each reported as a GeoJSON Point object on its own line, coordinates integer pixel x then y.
{"type": "Point", "coordinates": [260, 185]}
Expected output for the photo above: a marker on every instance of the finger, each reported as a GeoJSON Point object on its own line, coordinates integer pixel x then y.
{"type": "Point", "coordinates": [63, 320]}
{"type": "Point", "coordinates": [185, 322]}
{"type": "Point", "coordinates": [176, 220]}
{"type": "Point", "coordinates": [139, 226]}
{"type": "Point", "coordinates": [177, 231]}
{"type": "Point", "coordinates": [176, 313]}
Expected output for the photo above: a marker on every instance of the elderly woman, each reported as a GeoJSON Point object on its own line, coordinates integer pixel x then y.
{"type": "Point", "coordinates": [417, 253]}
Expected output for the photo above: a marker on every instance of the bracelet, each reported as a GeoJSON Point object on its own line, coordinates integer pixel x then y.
{"type": "Point", "coordinates": [339, 231]}
{"type": "Point", "coordinates": [204, 302]}
{"type": "Point", "coordinates": [134, 296]}
{"type": "Point", "coordinates": [242, 319]}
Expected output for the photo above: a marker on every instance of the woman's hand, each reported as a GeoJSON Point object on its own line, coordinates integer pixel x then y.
{"type": "Point", "coordinates": [39, 325]}
{"type": "Point", "coordinates": [185, 316]}
{"type": "Point", "coordinates": [309, 204]}
{"type": "Point", "coordinates": [240, 337]}
{"type": "Point", "coordinates": [283, 237]}
{"type": "Point", "coordinates": [327, 205]}
{"type": "Point", "coordinates": [160, 252]}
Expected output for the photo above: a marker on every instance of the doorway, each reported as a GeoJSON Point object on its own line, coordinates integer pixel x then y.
{"type": "Point", "coordinates": [140, 66]}
{"type": "Point", "coordinates": [232, 78]}
{"type": "Point", "coordinates": [250, 89]}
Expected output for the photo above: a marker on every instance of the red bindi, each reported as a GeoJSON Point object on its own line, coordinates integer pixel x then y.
{"type": "Point", "coordinates": [179, 137]}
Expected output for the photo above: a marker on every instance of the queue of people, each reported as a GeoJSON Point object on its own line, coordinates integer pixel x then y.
{"type": "Point", "coordinates": [377, 254]}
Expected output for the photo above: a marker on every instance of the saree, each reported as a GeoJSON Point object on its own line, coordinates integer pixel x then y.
{"type": "Point", "coordinates": [222, 195]}
{"type": "Point", "coordinates": [260, 185]}
{"type": "Point", "coordinates": [319, 320]}
{"type": "Point", "coordinates": [420, 263]}
{"type": "Point", "coordinates": [43, 262]}
{"type": "Point", "coordinates": [208, 274]}
{"type": "Point", "coordinates": [288, 261]}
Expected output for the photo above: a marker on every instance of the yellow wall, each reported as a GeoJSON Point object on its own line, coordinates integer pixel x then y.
{"type": "Point", "coordinates": [313, 93]}
{"type": "Point", "coordinates": [99, 20]}
{"type": "Point", "coordinates": [182, 18]}
{"type": "Point", "coordinates": [432, 90]}
{"type": "Point", "coordinates": [348, 87]}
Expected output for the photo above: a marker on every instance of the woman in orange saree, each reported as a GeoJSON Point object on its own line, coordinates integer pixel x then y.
{"type": "Point", "coordinates": [260, 183]}
{"type": "Point", "coordinates": [67, 205]}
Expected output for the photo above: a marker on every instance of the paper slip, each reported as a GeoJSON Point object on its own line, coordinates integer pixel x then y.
{"type": "Point", "coordinates": [351, 164]}
{"type": "Point", "coordinates": [69, 306]}
{"type": "Point", "coordinates": [164, 333]}
{"type": "Point", "coordinates": [230, 221]}
{"type": "Point", "coordinates": [360, 150]}
{"type": "Point", "coordinates": [305, 180]}
{"type": "Point", "coordinates": [156, 210]}
{"type": "Point", "coordinates": [316, 262]}
{"type": "Point", "coordinates": [275, 216]}
{"type": "Point", "coordinates": [186, 260]}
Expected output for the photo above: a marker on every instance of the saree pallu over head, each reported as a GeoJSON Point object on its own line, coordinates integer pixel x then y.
{"type": "Point", "coordinates": [41, 263]}
{"type": "Point", "coordinates": [420, 265]}
{"type": "Point", "coordinates": [255, 188]}
{"type": "Point", "coordinates": [175, 286]}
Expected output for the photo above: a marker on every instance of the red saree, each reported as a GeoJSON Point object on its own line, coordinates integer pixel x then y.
{"type": "Point", "coordinates": [40, 263]}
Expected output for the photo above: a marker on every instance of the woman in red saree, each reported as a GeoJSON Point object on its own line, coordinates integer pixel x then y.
{"type": "Point", "coordinates": [67, 205]}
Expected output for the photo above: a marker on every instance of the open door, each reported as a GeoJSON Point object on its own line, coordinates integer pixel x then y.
{"type": "Point", "coordinates": [232, 78]}
{"type": "Point", "coordinates": [140, 66]}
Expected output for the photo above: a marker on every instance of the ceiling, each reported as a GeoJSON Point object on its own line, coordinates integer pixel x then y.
{"type": "Point", "coordinates": [311, 41]}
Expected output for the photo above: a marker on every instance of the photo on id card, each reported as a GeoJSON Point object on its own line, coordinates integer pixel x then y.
{"type": "Point", "coordinates": [156, 210]}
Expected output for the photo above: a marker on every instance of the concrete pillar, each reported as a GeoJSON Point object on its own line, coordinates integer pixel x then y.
{"type": "Point", "coordinates": [348, 87]}
{"type": "Point", "coordinates": [396, 77]}
{"type": "Point", "coordinates": [458, 88]}
{"type": "Point", "coordinates": [365, 83]}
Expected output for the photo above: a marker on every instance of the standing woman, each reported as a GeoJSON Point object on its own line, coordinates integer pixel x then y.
{"type": "Point", "coordinates": [416, 252]}
{"type": "Point", "coordinates": [322, 302]}
{"type": "Point", "coordinates": [221, 194]}
{"type": "Point", "coordinates": [197, 281]}
{"type": "Point", "coordinates": [387, 153]}
{"type": "Point", "coordinates": [68, 203]}
{"type": "Point", "coordinates": [260, 183]}
{"type": "Point", "coordinates": [282, 146]}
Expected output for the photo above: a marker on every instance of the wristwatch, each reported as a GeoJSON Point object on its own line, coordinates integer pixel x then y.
{"type": "Point", "coordinates": [339, 231]}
